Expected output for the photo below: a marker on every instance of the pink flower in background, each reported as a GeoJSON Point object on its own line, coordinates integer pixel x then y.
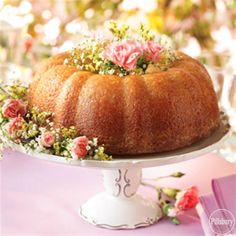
{"type": "Point", "coordinates": [187, 199]}
{"type": "Point", "coordinates": [79, 149]}
{"type": "Point", "coordinates": [28, 44]}
{"type": "Point", "coordinates": [124, 54]}
{"type": "Point", "coordinates": [152, 51]}
{"type": "Point", "coordinates": [47, 139]}
{"type": "Point", "coordinates": [13, 108]}
{"type": "Point", "coordinates": [14, 125]}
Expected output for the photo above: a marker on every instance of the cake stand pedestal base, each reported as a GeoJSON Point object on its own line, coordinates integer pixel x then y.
{"type": "Point", "coordinates": [120, 207]}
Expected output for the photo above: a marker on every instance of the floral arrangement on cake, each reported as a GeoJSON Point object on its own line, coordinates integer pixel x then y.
{"type": "Point", "coordinates": [123, 52]}
{"type": "Point", "coordinates": [34, 130]}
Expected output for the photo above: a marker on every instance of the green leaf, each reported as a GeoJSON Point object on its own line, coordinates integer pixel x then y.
{"type": "Point", "coordinates": [175, 221]}
{"type": "Point", "coordinates": [32, 133]}
{"type": "Point", "coordinates": [2, 97]}
{"type": "Point", "coordinates": [170, 192]}
{"type": "Point", "coordinates": [166, 208]}
{"type": "Point", "coordinates": [177, 174]}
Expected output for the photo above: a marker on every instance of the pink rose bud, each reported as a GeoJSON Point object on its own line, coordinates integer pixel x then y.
{"type": "Point", "coordinates": [47, 139]}
{"type": "Point", "coordinates": [124, 54]}
{"type": "Point", "coordinates": [187, 199]}
{"type": "Point", "coordinates": [172, 212]}
{"type": "Point", "coordinates": [152, 51]}
{"type": "Point", "coordinates": [79, 149]}
{"type": "Point", "coordinates": [14, 125]}
{"type": "Point", "coordinates": [13, 108]}
{"type": "Point", "coordinates": [28, 44]}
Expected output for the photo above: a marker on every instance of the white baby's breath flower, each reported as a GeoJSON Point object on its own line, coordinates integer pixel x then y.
{"type": "Point", "coordinates": [95, 141]}
{"type": "Point", "coordinates": [66, 61]}
{"type": "Point", "coordinates": [90, 142]}
{"type": "Point", "coordinates": [42, 129]}
{"type": "Point", "coordinates": [75, 61]}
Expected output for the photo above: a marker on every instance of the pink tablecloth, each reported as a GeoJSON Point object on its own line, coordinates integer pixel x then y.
{"type": "Point", "coordinates": [41, 198]}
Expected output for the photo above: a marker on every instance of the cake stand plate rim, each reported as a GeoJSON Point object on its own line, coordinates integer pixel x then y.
{"type": "Point", "coordinates": [150, 160]}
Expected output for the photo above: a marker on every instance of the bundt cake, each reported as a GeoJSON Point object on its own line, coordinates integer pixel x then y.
{"type": "Point", "coordinates": [134, 114]}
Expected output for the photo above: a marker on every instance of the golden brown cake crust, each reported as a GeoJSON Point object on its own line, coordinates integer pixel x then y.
{"type": "Point", "coordinates": [135, 114]}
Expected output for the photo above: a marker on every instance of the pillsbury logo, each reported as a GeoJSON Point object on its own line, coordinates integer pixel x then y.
{"type": "Point", "coordinates": [222, 222]}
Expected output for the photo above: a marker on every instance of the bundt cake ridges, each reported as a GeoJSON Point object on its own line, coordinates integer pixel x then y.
{"type": "Point", "coordinates": [131, 115]}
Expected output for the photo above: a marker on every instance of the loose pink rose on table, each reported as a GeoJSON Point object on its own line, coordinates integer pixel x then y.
{"type": "Point", "coordinates": [47, 139]}
{"type": "Point", "coordinates": [16, 124]}
{"type": "Point", "coordinates": [124, 54]}
{"type": "Point", "coordinates": [79, 149]}
{"type": "Point", "coordinates": [13, 108]}
{"type": "Point", "coordinates": [152, 51]}
{"type": "Point", "coordinates": [187, 199]}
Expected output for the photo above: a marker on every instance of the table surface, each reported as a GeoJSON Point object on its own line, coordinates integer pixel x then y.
{"type": "Point", "coordinates": [42, 198]}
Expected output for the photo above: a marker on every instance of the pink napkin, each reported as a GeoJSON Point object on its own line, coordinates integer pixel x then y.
{"type": "Point", "coordinates": [223, 197]}
{"type": "Point", "coordinates": [207, 205]}
{"type": "Point", "coordinates": [224, 190]}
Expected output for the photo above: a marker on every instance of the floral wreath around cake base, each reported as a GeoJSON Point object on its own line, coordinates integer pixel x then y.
{"type": "Point", "coordinates": [34, 130]}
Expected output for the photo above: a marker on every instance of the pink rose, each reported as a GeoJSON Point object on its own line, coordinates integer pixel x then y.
{"type": "Point", "coordinates": [124, 54]}
{"type": "Point", "coordinates": [47, 139]}
{"type": "Point", "coordinates": [16, 124]}
{"type": "Point", "coordinates": [187, 199]}
{"type": "Point", "coordinates": [79, 149]}
{"type": "Point", "coordinates": [152, 51]}
{"type": "Point", "coordinates": [13, 108]}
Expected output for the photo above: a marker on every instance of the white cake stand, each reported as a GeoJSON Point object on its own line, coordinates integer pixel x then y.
{"type": "Point", "coordinates": [119, 206]}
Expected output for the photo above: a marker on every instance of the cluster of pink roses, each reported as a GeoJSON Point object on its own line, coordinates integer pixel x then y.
{"type": "Point", "coordinates": [79, 147]}
{"type": "Point", "coordinates": [127, 53]}
{"type": "Point", "coordinates": [15, 110]}
{"type": "Point", "coordinates": [185, 200]}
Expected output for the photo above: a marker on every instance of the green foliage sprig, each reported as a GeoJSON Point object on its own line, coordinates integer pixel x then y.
{"type": "Point", "coordinates": [145, 33]}
{"type": "Point", "coordinates": [119, 31]}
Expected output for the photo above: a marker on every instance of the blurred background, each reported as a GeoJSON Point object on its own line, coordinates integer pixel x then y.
{"type": "Point", "coordinates": [205, 29]}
